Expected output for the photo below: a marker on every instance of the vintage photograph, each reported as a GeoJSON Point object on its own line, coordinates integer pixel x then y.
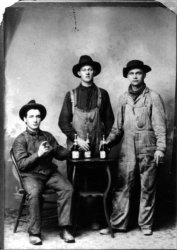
{"type": "Point", "coordinates": [89, 99]}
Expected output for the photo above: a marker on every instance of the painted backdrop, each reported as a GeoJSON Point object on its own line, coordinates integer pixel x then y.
{"type": "Point", "coordinates": [43, 42]}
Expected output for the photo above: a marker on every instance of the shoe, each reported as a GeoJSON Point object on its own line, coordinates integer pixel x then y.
{"type": "Point", "coordinates": [66, 236]}
{"type": "Point", "coordinates": [146, 231]}
{"type": "Point", "coordinates": [35, 240]}
{"type": "Point", "coordinates": [106, 231]}
{"type": "Point", "coordinates": [95, 226]}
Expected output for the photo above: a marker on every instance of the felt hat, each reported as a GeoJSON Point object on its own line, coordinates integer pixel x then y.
{"type": "Point", "coordinates": [135, 64]}
{"type": "Point", "coordinates": [32, 105]}
{"type": "Point", "coordinates": [86, 60]}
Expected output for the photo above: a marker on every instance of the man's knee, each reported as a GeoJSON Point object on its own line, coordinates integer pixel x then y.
{"type": "Point", "coordinates": [34, 193]}
{"type": "Point", "coordinates": [69, 188]}
{"type": "Point", "coordinates": [66, 191]}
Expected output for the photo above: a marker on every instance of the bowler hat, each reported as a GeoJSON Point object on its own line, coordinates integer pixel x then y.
{"type": "Point", "coordinates": [86, 60]}
{"type": "Point", "coordinates": [32, 105]}
{"type": "Point", "coordinates": [135, 64]}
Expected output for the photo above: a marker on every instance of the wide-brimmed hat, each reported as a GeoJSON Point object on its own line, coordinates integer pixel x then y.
{"type": "Point", "coordinates": [86, 60]}
{"type": "Point", "coordinates": [135, 64]}
{"type": "Point", "coordinates": [32, 105]}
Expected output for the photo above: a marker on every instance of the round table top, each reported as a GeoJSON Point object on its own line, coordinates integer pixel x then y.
{"type": "Point", "coordinates": [91, 160]}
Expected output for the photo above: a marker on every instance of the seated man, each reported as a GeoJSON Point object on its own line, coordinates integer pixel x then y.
{"type": "Point", "coordinates": [34, 150]}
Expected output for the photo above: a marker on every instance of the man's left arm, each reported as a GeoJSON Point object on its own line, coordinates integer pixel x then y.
{"type": "Point", "coordinates": [159, 125]}
{"type": "Point", "coordinates": [107, 115]}
{"type": "Point", "coordinates": [59, 152]}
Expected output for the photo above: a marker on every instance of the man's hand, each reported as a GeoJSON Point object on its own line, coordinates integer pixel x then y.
{"type": "Point", "coordinates": [101, 142]}
{"type": "Point", "coordinates": [43, 148]}
{"type": "Point", "coordinates": [108, 149]}
{"type": "Point", "coordinates": [82, 144]}
{"type": "Point", "coordinates": [158, 156]}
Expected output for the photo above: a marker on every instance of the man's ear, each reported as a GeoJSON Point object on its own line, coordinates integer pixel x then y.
{"type": "Point", "coordinates": [78, 72]}
{"type": "Point", "coordinates": [24, 119]}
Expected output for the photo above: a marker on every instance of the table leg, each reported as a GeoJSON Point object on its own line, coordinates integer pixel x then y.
{"type": "Point", "coordinates": [73, 176]}
{"type": "Point", "coordinates": [75, 200]}
{"type": "Point", "coordinates": [105, 199]}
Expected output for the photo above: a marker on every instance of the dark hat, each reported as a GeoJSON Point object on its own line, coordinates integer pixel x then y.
{"type": "Point", "coordinates": [32, 105]}
{"type": "Point", "coordinates": [135, 64]}
{"type": "Point", "coordinates": [86, 60]}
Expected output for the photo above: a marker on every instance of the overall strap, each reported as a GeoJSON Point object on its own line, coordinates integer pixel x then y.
{"type": "Point", "coordinates": [99, 98]}
{"type": "Point", "coordinates": [73, 96]}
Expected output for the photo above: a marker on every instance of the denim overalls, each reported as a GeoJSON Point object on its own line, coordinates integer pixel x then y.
{"type": "Point", "coordinates": [136, 155]}
{"type": "Point", "coordinates": [87, 122]}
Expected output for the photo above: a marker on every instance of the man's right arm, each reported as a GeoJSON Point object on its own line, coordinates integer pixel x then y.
{"type": "Point", "coordinates": [116, 133]}
{"type": "Point", "coordinates": [24, 160]}
{"type": "Point", "coordinates": [65, 118]}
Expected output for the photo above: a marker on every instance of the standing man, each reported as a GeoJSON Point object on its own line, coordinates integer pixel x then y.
{"type": "Point", "coordinates": [86, 110]}
{"type": "Point", "coordinates": [141, 121]}
{"type": "Point", "coordinates": [34, 150]}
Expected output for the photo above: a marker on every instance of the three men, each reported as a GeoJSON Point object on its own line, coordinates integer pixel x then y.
{"type": "Point", "coordinates": [141, 121]}
{"type": "Point", "coordinates": [34, 150]}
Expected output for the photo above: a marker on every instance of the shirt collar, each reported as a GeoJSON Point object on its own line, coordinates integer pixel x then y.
{"type": "Point", "coordinates": [37, 132]}
{"type": "Point", "coordinates": [93, 86]}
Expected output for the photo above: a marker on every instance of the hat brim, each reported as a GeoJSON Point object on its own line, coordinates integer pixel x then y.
{"type": "Point", "coordinates": [96, 67]}
{"type": "Point", "coordinates": [145, 68]}
{"type": "Point", "coordinates": [27, 107]}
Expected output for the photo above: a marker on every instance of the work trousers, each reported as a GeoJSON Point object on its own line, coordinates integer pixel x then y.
{"type": "Point", "coordinates": [147, 170]}
{"type": "Point", "coordinates": [35, 186]}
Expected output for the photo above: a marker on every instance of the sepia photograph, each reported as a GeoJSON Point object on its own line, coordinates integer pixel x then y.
{"type": "Point", "coordinates": [89, 125]}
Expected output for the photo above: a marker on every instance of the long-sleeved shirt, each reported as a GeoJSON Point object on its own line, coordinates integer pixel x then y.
{"type": "Point", "coordinates": [25, 148]}
{"type": "Point", "coordinates": [86, 100]}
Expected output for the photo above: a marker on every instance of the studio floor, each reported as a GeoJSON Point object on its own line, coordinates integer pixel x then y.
{"type": "Point", "coordinates": [164, 237]}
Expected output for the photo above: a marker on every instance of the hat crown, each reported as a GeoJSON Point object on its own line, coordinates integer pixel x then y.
{"type": "Point", "coordinates": [32, 105]}
{"type": "Point", "coordinates": [85, 59]}
{"type": "Point", "coordinates": [135, 63]}
{"type": "Point", "coordinates": [32, 102]}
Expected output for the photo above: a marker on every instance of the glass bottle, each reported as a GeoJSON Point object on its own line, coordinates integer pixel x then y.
{"type": "Point", "coordinates": [87, 154]}
{"type": "Point", "coordinates": [75, 148]}
{"type": "Point", "coordinates": [103, 149]}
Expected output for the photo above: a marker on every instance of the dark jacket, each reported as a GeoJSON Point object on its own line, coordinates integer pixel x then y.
{"type": "Point", "coordinates": [25, 148]}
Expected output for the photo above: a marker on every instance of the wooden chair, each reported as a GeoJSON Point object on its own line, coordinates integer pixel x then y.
{"type": "Point", "coordinates": [23, 196]}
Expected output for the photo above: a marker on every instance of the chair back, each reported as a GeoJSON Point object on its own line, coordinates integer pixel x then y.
{"type": "Point", "coordinates": [15, 169]}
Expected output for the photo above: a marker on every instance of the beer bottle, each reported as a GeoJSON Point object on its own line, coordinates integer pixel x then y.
{"type": "Point", "coordinates": [87, 154]}
{"type": "Point", "coordinates": [103, 149]}
{"type": "Point", "coordinates": [75, 149]}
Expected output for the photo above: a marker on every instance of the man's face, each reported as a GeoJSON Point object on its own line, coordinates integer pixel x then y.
{"type": "Point", "coordinates": [33, 119]}
{"type": "Point", "coordinates": [136, 76]}
{"type": "Point", "coordinates": [86, 73]}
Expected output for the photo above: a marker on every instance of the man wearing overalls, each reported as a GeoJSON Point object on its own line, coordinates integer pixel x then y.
{"type": "Point", "coordinates": [87, 108]}
{"type": "Point", "coordinates": [141, 123]}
